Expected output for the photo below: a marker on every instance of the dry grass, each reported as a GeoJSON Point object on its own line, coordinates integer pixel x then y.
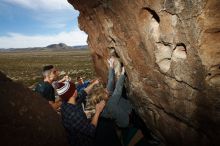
{"type": "Point", "coordinates": [26, 67]}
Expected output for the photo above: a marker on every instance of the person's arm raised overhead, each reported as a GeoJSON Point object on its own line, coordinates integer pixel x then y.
{"type": "Point", "coordinates": [118, 88]}
{"type": "Point", "coordinates": [111, 75]}
{"type": "Point", "coordinates": [82, 95]}
{"type": "Point", "coordinates": [84, 125]}
{"type": "Point", "coordinates": [89, 88]}
{"type": "Point", "coordinates": [120, 116]}
{"type": "Point", "coordinates": [99, 107]}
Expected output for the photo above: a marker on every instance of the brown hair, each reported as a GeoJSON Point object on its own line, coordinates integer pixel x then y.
{"type": "Point", "coordinates": [98, 95]}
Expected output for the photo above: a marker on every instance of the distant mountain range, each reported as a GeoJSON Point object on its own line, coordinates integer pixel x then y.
{"type": "Point", "coordinates": [52, 47]}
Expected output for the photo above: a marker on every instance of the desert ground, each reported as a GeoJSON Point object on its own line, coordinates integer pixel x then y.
{"type": "Point", "coordinates": [25, 66]}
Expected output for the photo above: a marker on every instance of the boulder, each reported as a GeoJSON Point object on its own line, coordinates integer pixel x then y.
{"type": "Point", "coordinates": [26, 118]}
{"type": "Point", "coordinates": [170, 49]}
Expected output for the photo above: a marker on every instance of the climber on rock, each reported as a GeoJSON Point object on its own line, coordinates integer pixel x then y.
{"type": "Point", "coordinates": [117, 109]}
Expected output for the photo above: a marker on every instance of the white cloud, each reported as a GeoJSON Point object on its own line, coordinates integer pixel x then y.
{"type": "Point", "coordinates": [16, 40]}
{"type": "Point", "coordinates": [42, 4]}
{"type": "Point", "coordinates": [56, 25]}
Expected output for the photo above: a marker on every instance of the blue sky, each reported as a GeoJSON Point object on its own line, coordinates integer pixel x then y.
{"type": "Point", "coordinates": [38, 23]}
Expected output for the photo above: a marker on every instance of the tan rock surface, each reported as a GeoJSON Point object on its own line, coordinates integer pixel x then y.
{"type": "Point", "coordinates": [170, 49]}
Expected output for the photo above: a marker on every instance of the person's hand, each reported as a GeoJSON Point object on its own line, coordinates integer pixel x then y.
{"type": "Point", "coordinates": [92, 81]}
{"type": "Point", "coordinates": [96, 81]}
{"type": "Point", "coordinates": [66, 78]}
{"type": "Point", "coordinates": [111, 62]}
{"type": "Point", "coordinates": [100, 106]}
{"type": "Point", "coordinates": [123, 70]}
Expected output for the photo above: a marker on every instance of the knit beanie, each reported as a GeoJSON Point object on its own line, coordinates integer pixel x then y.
{"type": "Point", "coordinates": [65, 90]}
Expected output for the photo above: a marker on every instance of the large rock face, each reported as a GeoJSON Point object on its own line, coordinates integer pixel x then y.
{"type": "Point", "coordinates": [170, 49]}
{"type": "Point", "coordinates": [26, 119]}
